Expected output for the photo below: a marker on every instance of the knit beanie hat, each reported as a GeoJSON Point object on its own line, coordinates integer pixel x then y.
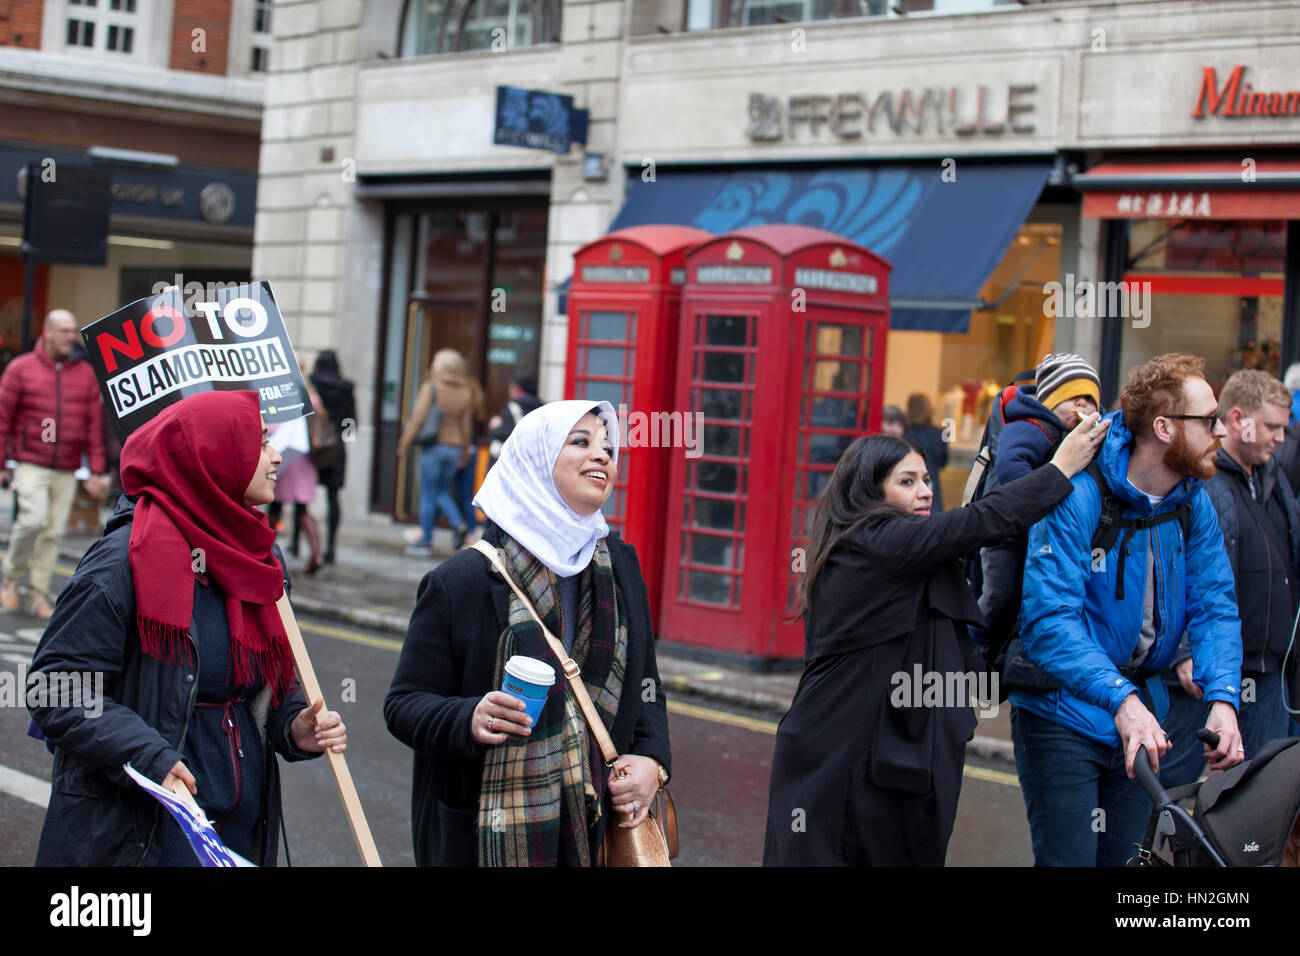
{"type": "Point", "coordinates": [1063, 377]}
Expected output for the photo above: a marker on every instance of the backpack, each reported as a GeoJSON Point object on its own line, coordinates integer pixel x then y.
{"type": "Point", "coordinates": [324, 442]}
{"type": "Point", "coordinates": [981, 471]}
{"type": "Point", "coordinates": [982, 478]}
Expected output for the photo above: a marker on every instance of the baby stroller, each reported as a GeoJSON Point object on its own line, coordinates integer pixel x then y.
{"type": "Point", "coordinates": [1245, 816]}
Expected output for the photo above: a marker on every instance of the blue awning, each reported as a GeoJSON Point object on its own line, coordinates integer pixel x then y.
{"type": "Point", "coordinates": [944, 239]}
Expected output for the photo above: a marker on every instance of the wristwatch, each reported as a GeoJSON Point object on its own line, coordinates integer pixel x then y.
{"type": "Point", "coordinates": [663, 775]}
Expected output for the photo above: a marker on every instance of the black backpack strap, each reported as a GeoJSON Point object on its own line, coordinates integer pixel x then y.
{"type": "Point", "coordinates": [1111, 525]}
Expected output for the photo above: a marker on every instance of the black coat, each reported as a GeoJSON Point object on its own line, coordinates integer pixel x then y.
{"type": "Point", "coordinates": [447, 664]}
{"type": "Point", "coordinates": [97, 815]}
{"type": "Point", "coordinates": [336, 395]}
{"type": "Point", "coordinates": [857, 778]}
{"type": "Point", "coordinates": [1265, 581]}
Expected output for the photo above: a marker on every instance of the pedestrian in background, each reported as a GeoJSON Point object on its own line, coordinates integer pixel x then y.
{"type": "Point", "coordinates": [336, 396]}
{"type": "Point", "coordinates": [1288, 453]}
{"type": "Point", "coordinates": [929, 439]}
{"type": "Point", "coordinates": [463, 481]}
{"type": "Point", "coordinates": [489, 786]}
{"type": "Point", "coordinates": [199, 681]}
{"type": "Point", "coordinates": [860, 776]}
{"type": "Point", "coordinates": [893, 421]}
{"type": "Point", "coordinates": [1261, 535]}
{"type": "Point", "coordinates": [50, 415]}
{"type": "Point", "coordinates": [522, 399]}
{"type": "Point", "coordinates": [296, 484]}
{"type": "Point", "coordinates": [440, 426]}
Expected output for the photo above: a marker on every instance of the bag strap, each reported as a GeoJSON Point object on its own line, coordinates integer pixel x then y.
{"type": "Point", "coordinates": [571, 670]}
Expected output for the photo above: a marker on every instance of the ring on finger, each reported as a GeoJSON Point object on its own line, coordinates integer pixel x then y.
{"type": "Point", "coordinates": [489, 725]}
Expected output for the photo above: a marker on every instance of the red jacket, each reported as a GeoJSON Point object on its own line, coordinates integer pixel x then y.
{"type": "Point", "coordinates": [35, 394]}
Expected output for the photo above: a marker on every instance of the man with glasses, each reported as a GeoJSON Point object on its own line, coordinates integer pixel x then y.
{"type": "Point", "coordinates": [1261, 533]}
{"type": "Point", "coordinates": [1113, 578]}
{"type": "Point", "coordinates": [50, 414]}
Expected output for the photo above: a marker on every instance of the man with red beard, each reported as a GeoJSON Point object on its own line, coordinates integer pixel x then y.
{"type": "Point", "coordinates": [1113, 578]}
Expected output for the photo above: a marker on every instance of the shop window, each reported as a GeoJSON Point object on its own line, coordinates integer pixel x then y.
{"type": "Point", "coordinates": [452, 26]}
{"type": "Point", "coordinates": [1212, 288]}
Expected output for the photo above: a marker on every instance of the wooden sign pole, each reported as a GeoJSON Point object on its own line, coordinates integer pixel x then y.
{"type": "Point", "coordinates": [339, 765]}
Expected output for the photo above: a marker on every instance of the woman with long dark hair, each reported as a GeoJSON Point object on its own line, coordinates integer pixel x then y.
{"type": "Point", "coordinates": [868, 761]}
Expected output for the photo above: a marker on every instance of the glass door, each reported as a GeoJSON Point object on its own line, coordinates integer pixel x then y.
{"type": "Point", "coordinates": [723, 354]}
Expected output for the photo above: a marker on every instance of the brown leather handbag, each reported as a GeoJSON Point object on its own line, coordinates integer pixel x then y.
{"type": "Point", "coordinates": [652, 842]}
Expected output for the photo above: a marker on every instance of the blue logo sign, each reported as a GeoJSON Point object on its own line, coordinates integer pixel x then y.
{"type": "Point", "coordinates": [537, 120]}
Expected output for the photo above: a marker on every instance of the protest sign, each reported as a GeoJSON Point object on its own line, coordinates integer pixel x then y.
{"type": "Point", "coordinates": [157, 350]}
{"type": "Point", "coordinates": [203, 838]}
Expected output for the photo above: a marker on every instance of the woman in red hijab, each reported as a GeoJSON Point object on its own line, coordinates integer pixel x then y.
{"type": "Point", "coordinates": [173, 613]}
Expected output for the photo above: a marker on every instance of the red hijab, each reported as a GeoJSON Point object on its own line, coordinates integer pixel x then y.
{"type": "Point", "coordinates": [189, 467]}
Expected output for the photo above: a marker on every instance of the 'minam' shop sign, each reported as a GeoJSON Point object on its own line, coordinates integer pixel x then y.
{"type": "Point", "coordinates": [157, 350]}
{"type": "Point", "coordinates": [1236, 99]}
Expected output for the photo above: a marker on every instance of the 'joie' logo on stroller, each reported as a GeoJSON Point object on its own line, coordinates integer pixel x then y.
{"type": "Point", "coordinates": [1251, 847]}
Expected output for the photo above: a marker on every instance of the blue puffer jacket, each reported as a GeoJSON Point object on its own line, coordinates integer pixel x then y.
{"type": "Point", "coordinates": [1081, 634]}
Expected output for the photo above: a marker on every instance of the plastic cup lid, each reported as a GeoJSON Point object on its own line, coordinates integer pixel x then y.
{"type": "Point", "coordinates": [530, 669]}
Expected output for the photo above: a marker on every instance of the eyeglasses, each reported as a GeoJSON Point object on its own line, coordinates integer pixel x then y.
{"type": "Point", "coordinates": [1210, 420]}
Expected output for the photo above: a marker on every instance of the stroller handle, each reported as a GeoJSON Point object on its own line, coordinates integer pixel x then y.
{"type": "Point", "coordinates": [1147, 777]}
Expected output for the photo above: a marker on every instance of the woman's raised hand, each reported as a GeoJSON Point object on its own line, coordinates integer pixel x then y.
{"type": "Point", "coordinates": [498, 714]}
{"type": "Point", "coordinates": [1079, 447]}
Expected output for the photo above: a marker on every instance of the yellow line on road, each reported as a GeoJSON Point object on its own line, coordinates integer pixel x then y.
{"type": "Point", "coordinates": [992, 776]}
{"type": "Point", "coordinates": [351, 636]}
{"type": "Point", "coordinates": [721, 717]}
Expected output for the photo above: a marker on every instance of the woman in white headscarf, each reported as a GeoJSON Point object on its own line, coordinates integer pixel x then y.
{"type": "Point", "coordinates": [490, 788]}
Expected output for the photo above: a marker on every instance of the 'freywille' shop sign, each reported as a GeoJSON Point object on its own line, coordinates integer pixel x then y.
{"type": "Point", "coordinates": [957, 111]}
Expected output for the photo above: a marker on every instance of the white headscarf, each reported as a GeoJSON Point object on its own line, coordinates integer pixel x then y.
{"type": "Point", "coordinates": [519, 492]}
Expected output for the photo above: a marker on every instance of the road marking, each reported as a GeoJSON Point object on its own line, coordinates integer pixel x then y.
{"type": "Point", "coordinates": [769, 727]}
{"type": "Point", "coordinates": [352, 637]}
{"type": "Point", "coordinates": [722, 717]}
{"type": "Point", "coordinates": [24, 786]}
{"type": "Point", "coordinates": [992, 776]}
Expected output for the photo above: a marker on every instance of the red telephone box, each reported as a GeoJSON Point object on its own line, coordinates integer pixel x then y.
{"type": "Point", "coordinates": [624, 304]}
{"type": "Point", "coordinates": [782, 351]}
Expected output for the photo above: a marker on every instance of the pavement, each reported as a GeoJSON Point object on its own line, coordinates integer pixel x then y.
{"type": "Point", "coordinates": [373, 584]}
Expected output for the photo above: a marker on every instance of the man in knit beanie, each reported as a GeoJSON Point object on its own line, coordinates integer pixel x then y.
{"type": "Point", "coordinates": [1064, 383]}
{"type": "Point", "coordinates": [1037, 417]}
{"type": "Point", "coordinates": [1040, 415]}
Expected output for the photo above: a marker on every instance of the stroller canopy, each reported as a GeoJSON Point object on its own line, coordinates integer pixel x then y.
{"type": "Point", "coordinates": [1248, 812]}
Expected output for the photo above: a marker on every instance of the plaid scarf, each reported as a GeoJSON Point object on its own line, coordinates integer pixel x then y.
{"type": "Point", "coordinates": [542, 793]}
